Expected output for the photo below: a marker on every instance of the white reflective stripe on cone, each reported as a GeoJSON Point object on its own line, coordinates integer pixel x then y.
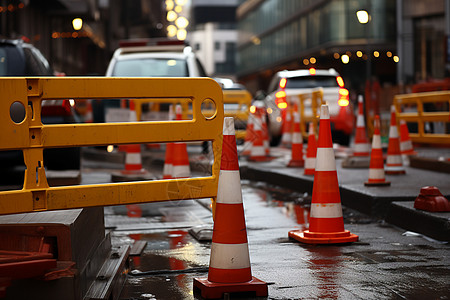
{"type": "Point", "coordinates": [376, 173]}
{"type": "Point", "coordinates": [297, 138]}
{"type": "Point", "coordinates": [228, 192]}
{"type": "Point", "coordinates": [310, 163]}
{"type": "Point", "coordinates": [229, 256]}
{"type": "Point", "coordinates": [325, 159]}
{"type": "Point", "coordinates": [133, 159]}
{"type": "Point", "coordinates": [407, 145]}
{"type": "Point", "coordinates": [228, 126]}
{"type": "Point", "coordinates": [393, 132]}
{"type": "Point", "coordinates": [258, 151]}
{"type": "Point", "coordinates": [364, 148]}
{"type": "Point", "coordinates": [394, 160]}
{"type": "Point", "coordinates": [181, 171]}
{"type": "Point", "coordinates": [376, 142]}
{"type": "Point", "coordinates": [326, 210]}
{"type": "Point", "coordinates": [360, 121]}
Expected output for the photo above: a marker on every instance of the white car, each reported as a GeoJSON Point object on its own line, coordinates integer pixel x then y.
{"type": "Point", "coordinates": [155, 61]}
{"type": "Point", "coordinates": [286, 84]}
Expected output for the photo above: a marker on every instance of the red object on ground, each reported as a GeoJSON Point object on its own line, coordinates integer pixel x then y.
{"type": "Point", "coordinates": [431, 199]}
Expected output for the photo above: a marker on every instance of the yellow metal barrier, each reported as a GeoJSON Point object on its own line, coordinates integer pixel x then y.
{"type": "Point", "coordinates": [308, 106]}
{"type": "Point", "coordinates": [31, 136]}
{"type": "Point", "coordinates": [422, 108]}
{"type": "Point", "coordinates": [236, 104]}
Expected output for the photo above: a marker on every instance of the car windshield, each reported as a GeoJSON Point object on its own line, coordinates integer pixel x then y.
{"type": "Point", "coordinates": [151, 67]}
{"type": "Point", "coordinates": [307, 82]}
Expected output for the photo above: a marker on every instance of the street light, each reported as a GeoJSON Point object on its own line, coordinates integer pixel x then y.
{"type": "Point", "coordinates": [363, 16]}
{"type": "Point", "coordinates": [77, 23]}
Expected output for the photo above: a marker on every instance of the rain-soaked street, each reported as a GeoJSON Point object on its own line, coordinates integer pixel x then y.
{"type": "Point", "coordinates": [386, 263]}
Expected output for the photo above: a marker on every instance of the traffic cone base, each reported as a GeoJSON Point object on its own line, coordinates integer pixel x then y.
{"type": "Point", "coordinates": [375, 183]}
{"type": "Point", "coordinates": [296, 164]}
{"type": "Point", "coordinates": [214, 290]}
{"type": "Point", "coordinates": [323, 238]}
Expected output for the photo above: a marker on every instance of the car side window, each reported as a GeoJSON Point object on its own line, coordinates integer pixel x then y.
{"type": "Point", "coordinates": [201, 70]}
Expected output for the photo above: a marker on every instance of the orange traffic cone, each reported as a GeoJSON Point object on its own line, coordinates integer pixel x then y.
{"type": "Point", "coordinates": [406, 146]}
{"type": "Point", "coordinates": [133, 159]}
{"type": "Point", "coordinates": [326, 223]}
{"type": "Point", "coordinates": [311, 151]}
{"type": "Point", "coordinates": [229, 266]}
{"type": "Point", "coordinates": [361, 147]}
{"type": "Point", "coordinates": [249, 135]}
{"type": "Point", "coordinates": [286, 138]}
{"type": "Point", "coordinates": [258, 152]}
{"type": "Point", "coordinates": [394, 163]}
{"type": "Point", "coordinates": [376, 169]}
{"type": "Point", "coordinates": [168, 162]}
{"type": "Point", "coordinates": [297, 160]}
{"type": "Point", "coordinates": [180, 159]}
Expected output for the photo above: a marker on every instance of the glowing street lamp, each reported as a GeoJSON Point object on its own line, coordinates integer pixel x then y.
{"type": "Point", "coordinates": [77, 23]}
{"type": "Point", "coordinates": [363, 16]}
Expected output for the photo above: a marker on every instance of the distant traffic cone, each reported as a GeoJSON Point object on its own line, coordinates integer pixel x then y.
{"type": "Point", "coordinates": [89, 116]}
{"type": "Point", "coordinates": [168, 162]}
{"type": "Point", "coordinates": [286, 137]}
{"type": "Point", "coordinates": [258, 152]}
{"type": "Point", "coordinates": [229, 267]}
{"type": "Point", "coordinates": [394, 163]}
{"type": "Point", "coordinates": [376, 169]}
{"type": "Point", "coordinates": [361, 147]}
{"type": "Point", "coordinates": [249, 135]}
{"type": "Point", "coordinates": [406, 146]}
{"type": "Point", "coordinates": [133, 159]}
{"type": "Point", "coordinates": [311, 151]}
{"type": "Point", "coordinates": [180, 158]}
{"type": "Point", "coordinates": [326, 223]}
{"type": "Point", "coordinates": [297, 160]}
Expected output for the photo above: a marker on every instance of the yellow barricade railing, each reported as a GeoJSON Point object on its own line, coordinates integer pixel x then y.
{"type": "Point", "coordinates": [31, 136]}
{"type": "Point", "coordinates": [308, 106]}
{"type": "Point", "coordinates": [236, 104]}
{"type": "Point", "coordinates": [423, 108]}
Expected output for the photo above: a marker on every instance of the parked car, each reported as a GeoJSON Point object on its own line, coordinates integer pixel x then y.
{"type": "Point", "coordinates": [18, 58]}
{"type": "Point", "coordinates": [149, 58]}
{"type": "Point", "coordinates": [287, 84]}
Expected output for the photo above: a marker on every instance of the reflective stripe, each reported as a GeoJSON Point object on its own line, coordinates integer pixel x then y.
{"type": "Point", "coordinates": [229, 189]}
{"type": "Point", "coordinates": [376, 142]}
{"type": "Point", "coordinates": [297, 138]}
{"type": "Point", "coordinates": [407, 145]}
{"type": "Point", "coordinates": [181, 171]}
{"type": "Point", "coordinates": [310, 163]}
{"type": "Point", "coordinates": [228, 126]}
{"type": "Point", "coordinates": [360, 121]}
{"type": "Point", "coordinates": [326, 210]}
{"type": "Point", "coordinates": [325, 160]}
{"type": "Point", "coordinates": [393, 132]}
{"type": "Point", "coordinates": [394, 160]}
{"type": "Point", "coordinates": [376, 173]}
{"type": "Point", "coordinates": [258, 151]}
{"type": "Point", "coordinates": [364, 148]}
{"type": "Point", "coordinates": [133, 159]}
{"type": "Point", "coordinates": [229, 256]}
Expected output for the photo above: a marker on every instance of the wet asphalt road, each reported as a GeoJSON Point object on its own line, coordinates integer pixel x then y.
{"type": "Point", "coordinates": [386, 262]}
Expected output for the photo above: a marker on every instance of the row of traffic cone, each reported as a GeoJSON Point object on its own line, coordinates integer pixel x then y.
{"type": "Point", "coordinates": [176, 159]}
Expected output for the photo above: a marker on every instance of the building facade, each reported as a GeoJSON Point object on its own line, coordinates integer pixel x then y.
{"type": "Point", "coordinates": [213, 35]}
